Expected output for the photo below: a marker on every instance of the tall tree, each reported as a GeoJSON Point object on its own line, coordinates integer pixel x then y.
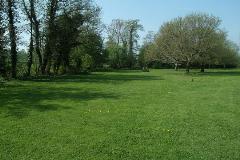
{"type": "Point", "coordinates": [29, 11]}
{"type": "Point", "coordinates": [144, 57]}
{"type": "Point", "coordinates": [78, 27]}
{"type": "Point", "coordinates": [2, 41]}
{"type": "Point", "coordinates": [133, 27]}
{"type": "Point", "coordinates": [36, 27]}
{"type": "Point", "coordinates": [123, 35]}
{"type": "Point", "coordinates": [13, 36]}
{"type": "Point", "coordinates": [203, 31]}
{"type": "Point", "coordinates": [50, 45]}
{"type": "Point", "coordinates": [173, 43]}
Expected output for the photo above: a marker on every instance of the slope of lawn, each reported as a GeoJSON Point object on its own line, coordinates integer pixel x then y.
{"type": "Point", "coordinates": [162, 114]}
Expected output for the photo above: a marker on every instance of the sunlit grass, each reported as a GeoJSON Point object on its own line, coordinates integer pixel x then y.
{"type": "Point", "coordinates": [162, 114]}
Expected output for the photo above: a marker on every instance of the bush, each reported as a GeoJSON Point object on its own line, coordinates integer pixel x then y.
{"type": "Point", "coordinates": [87, 63]}
{"type": "Point", "coordinates": [145, 69]}
{"type": "Point", "coordinates": [2, 81]}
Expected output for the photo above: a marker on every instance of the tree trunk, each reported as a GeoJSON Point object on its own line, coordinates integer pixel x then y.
{"type": "Point", "coordinates": [2, 44]}
{"type": "Point", "coordinates": [2, 62]}
{"type": "Point", "coordinates": [12, 32]}
{"type": "Point", "coordinates": [31, 13]}
{"type": "Point", "coordinates": [53, 5]}
{"type": "Point", "coordinates": [202, 68]}
{"type": "Point", "coordinates": [37, 45]}
{"type": "Point", "coordinates": [37, 32]}
{"type": "Point", "coordinates": [30, 56]}
{"type": "Point", "coordinates": [176, 67]}
{"type": "Point", "coordinates": [187, 67]}
{"type": "Point", "coordinates": [46, 57]}
{"type": "Point", "coordinates": [130, 49]}
{"type": "Point", "coordinates": [49, 66]}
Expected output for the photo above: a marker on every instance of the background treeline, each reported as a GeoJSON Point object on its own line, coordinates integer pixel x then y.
{"type": "Point", "coordinates": [67, 36]}
{"type": "Point", "coordinates": [194, 41]}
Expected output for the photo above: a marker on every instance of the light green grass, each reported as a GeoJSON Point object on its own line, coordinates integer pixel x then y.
{"type": "Point", "coordinates": [162, 114]}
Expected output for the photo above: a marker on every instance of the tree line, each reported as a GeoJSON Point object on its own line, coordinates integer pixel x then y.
{"type": "Point", "coordinates": [195, 40]}
{"type": "Point", "coordinates": [64, 36]}
{"type": "Point", "coordinates": [67, 36]}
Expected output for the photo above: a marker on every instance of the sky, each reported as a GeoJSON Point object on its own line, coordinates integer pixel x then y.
{"type": "Point", "coordinates": [153, 13]}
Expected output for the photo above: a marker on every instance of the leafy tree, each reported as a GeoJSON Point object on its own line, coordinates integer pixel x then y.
{"type": "Point", "coordinates": [116, 55]}
{"type": "Point", "coordinates": [228, 54]}
{"type": "Point", "coordinates": [123, 37]}
{"type": "Point", "coordinates": [80, 61]}
{"type": "Point", "coordinates": [92, 43]}
{"type": "Point", "coordinates": [50, 43]}
{"type": "Point", "coordinates": [187, 40]}
{"type": "Point", "coordinates": [146, 50]}
{"type": "Point", "coordinates": [70, 24]}
{"type": "Point", "coordinates": [203, 31]}
{"type": "Point", "coordinates": [133, 27]}
{"type": "Point", "coordinates": [172, 42]}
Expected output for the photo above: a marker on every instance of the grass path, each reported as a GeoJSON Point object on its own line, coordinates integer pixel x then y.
{"type": "Point", "coordinates": [122, 115]}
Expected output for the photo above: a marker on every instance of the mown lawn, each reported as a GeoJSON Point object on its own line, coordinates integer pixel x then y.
{"type": "Point", "coordinates": [162, 114]}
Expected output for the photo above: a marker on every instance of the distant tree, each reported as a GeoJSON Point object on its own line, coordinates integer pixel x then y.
{"type": "Point", "coordinates": [188, 40]}
{"type": "Point", "coordinates": [116, 46]}
{"type": "Point", "coordinates": [146, 50]}
{"type": "Point", "coordinates": [116, 55]}
{"type": "Point", "coordinates": [203, 31]}
{"type": "Point", "coordinates": [80, 60]}
{"type": "Point", "coordinates": [173, 43]}
{"type": "Point", "coordinates": [133, 27]}
{"type": "Point", "coordinates": [92, 43]}
{"type": "Point", "coordinates": [123, 36]}
{"type": "Point", "coordinates": [227, 54]}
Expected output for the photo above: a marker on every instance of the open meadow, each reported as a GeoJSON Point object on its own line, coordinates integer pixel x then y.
{"type": "Point", "coordinates": [161, 114]}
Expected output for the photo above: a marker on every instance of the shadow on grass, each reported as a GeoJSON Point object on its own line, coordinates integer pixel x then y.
{"type": "Point", "coordinates": [19, 101]}
{"type": "Point", "coordinates": [127, 71]}
{"type": "Point", "coordinates": [96, 78]}
{"type": "Point", "coordinates": [221, 73]}
{"type": "Point", "coordinates": [213, 73]}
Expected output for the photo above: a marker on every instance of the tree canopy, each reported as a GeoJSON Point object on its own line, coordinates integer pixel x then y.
{"type": "Point", "coordinates": [69, 37]}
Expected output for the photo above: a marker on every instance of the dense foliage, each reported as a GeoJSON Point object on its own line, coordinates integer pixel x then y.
{"type": "Point", "coordinates": [122, 44]}
{"type": "Point", "coordinates": [68, 37]}
{"type": "Point", "coordinates": [194, 40]}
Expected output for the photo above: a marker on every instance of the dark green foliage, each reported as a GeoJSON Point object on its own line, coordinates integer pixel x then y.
{"type": "Point", "coordinates": [13, 35]}
{"type": "Point", "coordinates": [122, 44]}
{"type": "Point", "coordinates": [77, 25]}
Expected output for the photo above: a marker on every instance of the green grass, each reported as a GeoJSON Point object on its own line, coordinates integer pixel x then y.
{"type": "Point", "coordinates": [162, 114]}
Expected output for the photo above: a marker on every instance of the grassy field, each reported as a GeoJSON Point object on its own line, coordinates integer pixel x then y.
{"type": "Point", "coordinates": [162, 114]}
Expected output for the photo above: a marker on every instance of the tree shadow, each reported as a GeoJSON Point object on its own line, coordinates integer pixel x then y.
{"type": "Point", "coordinates": [95, 78]}
{"type": "Point", "coordinates": [217, 73]}
{"type": "Point", "coordinates": [127, 71]}
{"type": "Point", "coordinates": [220, 73]}
{"type": "Point", "coordinates": [19, 101]}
